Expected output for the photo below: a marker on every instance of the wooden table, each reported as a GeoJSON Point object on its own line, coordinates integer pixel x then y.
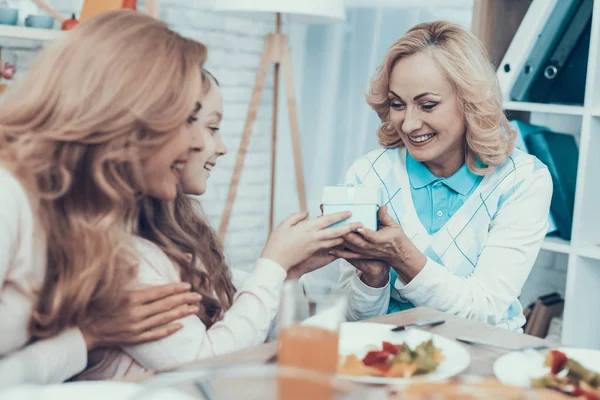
{"type": "Point", "coordinates": [482, 357]}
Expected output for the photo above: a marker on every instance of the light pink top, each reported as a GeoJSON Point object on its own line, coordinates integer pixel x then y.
{"type": "Point", "coordinates": [22, 269]}
{"type": "Point", "coordinates": [245, 324]}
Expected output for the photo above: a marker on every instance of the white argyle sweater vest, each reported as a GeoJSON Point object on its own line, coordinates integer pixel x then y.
{"type": "Point", "coordinates": [458, 244]}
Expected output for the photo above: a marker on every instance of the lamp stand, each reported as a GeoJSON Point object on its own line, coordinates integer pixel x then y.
{"type": "Point", "coordinates": [277, 51]}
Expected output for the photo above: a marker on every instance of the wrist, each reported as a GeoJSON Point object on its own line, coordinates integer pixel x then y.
{"type": "Point", "coordinates": [293, 274]}
{"type": "Point", "coordinates": [376, 279]}
{"type": "Point", "coordinates": [267, 255]}
{"type": "Point", "coordinates": [409, 265]}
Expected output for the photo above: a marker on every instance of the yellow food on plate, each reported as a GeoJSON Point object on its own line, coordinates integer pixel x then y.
{"type": "Point", "coordinates": [353, 366]}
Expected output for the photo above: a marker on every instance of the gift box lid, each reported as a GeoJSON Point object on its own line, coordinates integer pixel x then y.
{"type": "Point", "coordinates": [350, 194]}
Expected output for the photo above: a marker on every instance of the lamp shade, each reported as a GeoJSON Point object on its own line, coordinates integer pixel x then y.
{"type": "Point", "coordinates": [303, 11]}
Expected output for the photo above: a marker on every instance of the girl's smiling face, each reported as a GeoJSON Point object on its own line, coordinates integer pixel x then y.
{"type": "Point", "coordinates": [207, 146]}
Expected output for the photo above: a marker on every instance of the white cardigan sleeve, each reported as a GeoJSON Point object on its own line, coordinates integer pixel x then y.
{"type": "Point", "coordinates": [245, 324]}
{"type": "Point", "coordinates": [514, 240]}
{"type": "Point", "coordinates": [363, 301]}
{"type": "Point", "coordinates": [15, 305]}
{"type": "Point", "coordinates": [47, 361]}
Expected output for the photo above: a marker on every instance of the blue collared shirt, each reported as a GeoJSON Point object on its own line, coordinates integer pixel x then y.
{"type": "Point", "coordinates": [437, 199]}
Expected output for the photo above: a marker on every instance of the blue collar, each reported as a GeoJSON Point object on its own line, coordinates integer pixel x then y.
{"type": "Point", "coordinates": [462, 181]}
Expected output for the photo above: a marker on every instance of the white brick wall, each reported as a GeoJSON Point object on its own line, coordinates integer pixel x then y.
{"type": "Point", "coordinates": [235, 45]}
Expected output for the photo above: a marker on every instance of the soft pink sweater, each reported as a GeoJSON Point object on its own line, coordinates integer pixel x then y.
{"type": "Point", "coordinates": [245, 324]}
{"type": "Point", "coordinates": [22, 267]}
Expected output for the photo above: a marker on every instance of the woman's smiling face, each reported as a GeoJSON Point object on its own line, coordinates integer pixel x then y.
{"type": "Point", "coordinates": [426, 113]}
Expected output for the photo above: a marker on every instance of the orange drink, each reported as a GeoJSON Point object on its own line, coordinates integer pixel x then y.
{"type": "Point", "coordinates": [308, 324]}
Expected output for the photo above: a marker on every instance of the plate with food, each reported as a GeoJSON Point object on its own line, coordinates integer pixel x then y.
{"type": "Point", "coordinates": [468, 388]}
{"type": "Point", "coordinates": [574, 372]}
{"type": "Point", "coordinates": [373, 353]}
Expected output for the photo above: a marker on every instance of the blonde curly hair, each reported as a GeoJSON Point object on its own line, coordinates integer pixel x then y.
{"type": "Point", "coordinates": [463, 59]}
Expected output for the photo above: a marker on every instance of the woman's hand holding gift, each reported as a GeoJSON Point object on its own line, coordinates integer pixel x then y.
{"type": "Point", "coordinates": [371, 252]}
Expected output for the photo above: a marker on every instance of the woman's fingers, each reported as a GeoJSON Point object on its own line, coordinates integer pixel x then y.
{"type": "Point", "coordinates": [346, 254]}
{"type": "Point", "coordinates": [165, 318]}
{"type": "Point", "coordinates": [330, 219]}
{"type": "Point", "coordinates": [167, 304]}
{"type": "Point", "coordinates": [339, 231]}
{"type": "Point", "coordinates": [384, 218]}
{"type": "Point", "coordinates": [151, 335]}
{"type": "Point", "coordinates": [357, 241]}
{"type": "Point", "coordinates": [332, 243]}
{"type": "Point", "coordinates": [154, 293]}
{"type": "Point", "coordinates": [369, 235]}
{"type": "Point", "coordinates": [295, 218]}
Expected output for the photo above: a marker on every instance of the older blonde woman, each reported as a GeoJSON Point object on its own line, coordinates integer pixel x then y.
{"type": "Point", "coordinates": [464, 213]}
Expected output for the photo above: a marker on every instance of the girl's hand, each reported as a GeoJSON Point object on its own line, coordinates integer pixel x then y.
{"type": "Point", "coordinates": [296, 239]}
{"type": "Point", "coordinates": [318, 260]}
{"type": "Point", "coordinates": [146, 315]}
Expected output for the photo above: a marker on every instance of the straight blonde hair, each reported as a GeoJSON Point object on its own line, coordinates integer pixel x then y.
{"type": "Point", "coordinates": [76, 132]}
{"type": "Point", "coordinates": [465, 63]}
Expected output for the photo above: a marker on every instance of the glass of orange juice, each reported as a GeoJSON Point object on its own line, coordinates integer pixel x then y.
{"type": "Point", "coordinates": [310, 315]}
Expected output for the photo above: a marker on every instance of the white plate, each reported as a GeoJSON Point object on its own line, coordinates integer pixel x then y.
{"type": "Point", "coordinates": [519, 367]}
{"type": "Point", "coordinates": [360, 337]}
{"type": "Point", "coordinates": [92, 390]}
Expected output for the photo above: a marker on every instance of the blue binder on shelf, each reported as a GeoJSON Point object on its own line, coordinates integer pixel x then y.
{"type": "Point", "coordinates": [560, 154]}
{"type": "Point", "coordinates": [562, 78]}
{"type": "Point", "coordinates": [546, 42]}
{"type": "Point", "coordinates": [524, 129]}
{"type": "Point", "coordinates": [523, 42]}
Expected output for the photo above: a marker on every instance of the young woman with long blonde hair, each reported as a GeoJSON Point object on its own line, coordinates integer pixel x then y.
{"type": "Point", "coordinates": [103, 117]}
{"type": "Point", "coordinates": [466, 212]}
{"type": "Point", "coordinates": [179, 245]}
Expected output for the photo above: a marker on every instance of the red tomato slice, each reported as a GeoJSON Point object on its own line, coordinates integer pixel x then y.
{"type": "Point", "coordinates": [591, 396]}
{"type": "Point", "coordinates": [559, 361]}
{"type": "Point", "coordinates": [576, 392]}
{"type": "Point", "coordinates": [383, 367]}
{"type": "Point", "coordinates": [391, 348]}
{"type": "Point", "coordinates": [376, 357]}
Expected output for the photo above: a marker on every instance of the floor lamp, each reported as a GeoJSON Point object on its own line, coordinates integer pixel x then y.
{"type": "Point", "coordinates": [276, 51]}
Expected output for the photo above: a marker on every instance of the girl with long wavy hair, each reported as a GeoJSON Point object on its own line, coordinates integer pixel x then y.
{"type": "Point", "coordinates": [104, 116]}
{"type": "Point", "coordinates": [465, 212]}
{"type": "Point", "coordinates": [179, 245]}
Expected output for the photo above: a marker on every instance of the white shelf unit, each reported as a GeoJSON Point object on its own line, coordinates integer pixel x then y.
{"type": "Point", "coordinates": [543, 108]}
{"type": "Point", "coordinates": [581, 319]}
{"type": "Point", "coordinates": [557, 245]}
{"type": "Point", "coordinates": [25, 33]}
